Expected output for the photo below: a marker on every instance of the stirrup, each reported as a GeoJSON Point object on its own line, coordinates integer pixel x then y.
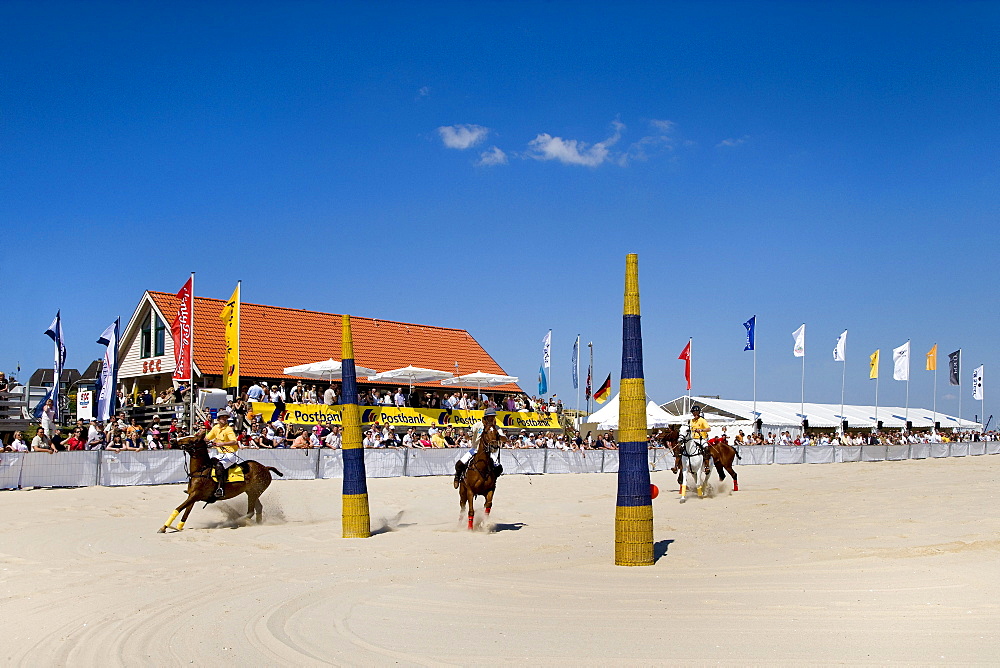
{"type": "Point", "coordinates": [220, 492]}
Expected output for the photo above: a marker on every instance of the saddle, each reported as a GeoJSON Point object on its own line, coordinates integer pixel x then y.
{"type": "Point", "coordinates": [235, 473]}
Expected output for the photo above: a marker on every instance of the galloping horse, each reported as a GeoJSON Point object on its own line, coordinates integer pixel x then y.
{"type": "Point", "coordinates": [201, 486]}
{"type": "Point", "coordinates": [722, 455]}
{"type": "Point", "coordinates": [479, 479]}
{"type": "Point", "coordinates": [693, 469]}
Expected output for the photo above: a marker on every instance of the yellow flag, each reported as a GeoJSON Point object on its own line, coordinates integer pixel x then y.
{"type": "Point", "coordinates": [932, 359]}
{"type": "Point", "coordinates": [230, 316]}
{"type": "Point", "coordinates": [873, 373]}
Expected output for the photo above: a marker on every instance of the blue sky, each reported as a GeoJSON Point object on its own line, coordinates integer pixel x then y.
{"type": "Point", "coordinates": [488, 166]}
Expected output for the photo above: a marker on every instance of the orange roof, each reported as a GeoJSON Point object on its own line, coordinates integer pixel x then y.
{"type": "Point", "coordinates": [273, 338]}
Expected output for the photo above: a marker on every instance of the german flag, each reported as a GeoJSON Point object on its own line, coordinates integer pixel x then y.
{"type": "Point", "coordinates": [604, 391]}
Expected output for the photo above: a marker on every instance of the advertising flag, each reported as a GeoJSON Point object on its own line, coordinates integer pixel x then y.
{"type": "Point", "coordinates": [932, 359]}
{"type": "Point", "coordinates": [901, 362]}
{"type": "Point", "coordinates": [873, 366]}
{"type": "Point", "coordinates": [840, 350]}
{"type": "Point", "coordinates": [955, 367]}
{"type": "Point", "coordinates": [547, 350]}
{"type": "Point", "coordinates": [751, 325]}
{"type": "Point", "coordinates": [590, 373]}
{"type": "Point", "coordinates": [977, 383]}
{"type": "Point", "coordinates": [230, 317]}
{"type": "Point", "coordinates": [55, 333]}
{"type": "Point", "coordinates": [108, 381]}
{"type": "Point", "coordinates": [604, 391]}
{"type": "Point", "coordinates": [686, 356]}
{"type": "Point", "coordinates": [799, 350]}
{"type": "Point", "coordinates": [543, 381]}
{"type": "Point", "coordinates": [181, 330]}
{"type": "Point", "coordinates": [576, 364]}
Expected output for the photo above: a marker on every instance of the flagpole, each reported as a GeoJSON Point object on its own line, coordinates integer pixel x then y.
{"type": "Point", "coordinates": [802, 405]}
{"type": "Point", "coordinates": [934, 425]}
{"type": "Point", "coordinates": [906, 413]}
{"type": "Point", "coordinates": [191, 393]}
{"type": "Point", "coordinates": [843, 378]}
{"type": "Point", "coordinates": [239, 308]}
{"type": "Point", "coordinates": [577, 377]}
{"type": "Point", "coordinates": [755, 381]}
{"type": "Point", "coordinates": [590, 375]}
{"type": "Point", "coordinates": [959, 388]}
{"type": "Point", "coordinates": [690, 354]}
{"type": "Point", "coordinates": [876, 400]}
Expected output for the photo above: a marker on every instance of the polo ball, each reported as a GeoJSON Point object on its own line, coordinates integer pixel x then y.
{"type": "Point", "coordinates": [654, 491]}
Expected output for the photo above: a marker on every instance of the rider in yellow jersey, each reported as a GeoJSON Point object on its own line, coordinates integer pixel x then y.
{"type": "Point", "coordinates": [223, 438]}
{"type": "Point", "coordinates": [699, 425]}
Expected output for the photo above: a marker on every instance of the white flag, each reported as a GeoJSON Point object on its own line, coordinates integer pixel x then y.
{"type": "Point", "coordinates": [977, 383]}
{"type": "Point", "coordinates": [547, 350]}
{"type": "Point", "coordinates": [901, 362]}
{"type": "Point", "coordinates": [800, 341]}
{"type": "Point", "coordinates": [840, 351]}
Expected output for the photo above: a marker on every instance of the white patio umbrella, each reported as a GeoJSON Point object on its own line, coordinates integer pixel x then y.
{"type": "Point", "coordinates": [329, 369]}
{"type": "Point", "coordinates": [412, 374]}
{"type": "Point", "coordinates": [480, 379]}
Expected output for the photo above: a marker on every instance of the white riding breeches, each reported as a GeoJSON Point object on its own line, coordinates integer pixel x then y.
{"type": "Point", "coordinates": [467, 457]}
{"type": "Point", "coordinates": [227, 459]}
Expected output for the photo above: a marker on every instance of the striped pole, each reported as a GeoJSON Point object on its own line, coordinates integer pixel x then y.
{"type": "Point", "coordinates": [355, 516]}
{"type": "Point", "coordinates": [634, 513]}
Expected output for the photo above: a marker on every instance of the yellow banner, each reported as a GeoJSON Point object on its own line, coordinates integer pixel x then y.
{"type": "Point", "coordinates": [230, 316]}
{"type": "Point", "coordinates": [421, 418]}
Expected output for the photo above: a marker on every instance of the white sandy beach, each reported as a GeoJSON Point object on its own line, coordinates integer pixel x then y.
{"type": "Point", "coordinates": [867, 563]}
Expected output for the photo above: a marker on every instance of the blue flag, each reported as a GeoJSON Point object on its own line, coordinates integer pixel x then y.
{"type": "Point", "coordinates": [750, 324]}
{"type": "Point", "coordinates": [543, 383]}
{"type": "Point", "coordinates": [55, 333]}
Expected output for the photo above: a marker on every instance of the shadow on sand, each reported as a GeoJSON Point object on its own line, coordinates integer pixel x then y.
{"type": "Point", "coordinates": [660, 548]}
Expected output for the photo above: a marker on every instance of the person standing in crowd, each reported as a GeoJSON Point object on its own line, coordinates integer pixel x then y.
{"type": "Point", "coordinates": [256, 392]}
{"type": "Point", "coordinates": [18, 444]}
{"type": "Point", "coordinates": [329, 396]}
{"type": "Point", "coordinates": [333, 440]}
{"type": "Point", "coordinates": [97, 439]}
{"type": "Point", "coordinates": [76, 440]}
{"type": "Point", "coordinates": [48, 418]}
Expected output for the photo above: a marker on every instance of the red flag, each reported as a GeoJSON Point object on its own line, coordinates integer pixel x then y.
{"type": "Point", "coordinates": [686, 356]}
{"type": "Point", "coordinates": [181, 331]}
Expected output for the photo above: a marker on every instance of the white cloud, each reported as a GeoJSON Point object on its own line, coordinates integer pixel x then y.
{"type": "Point", "coordinates": [573, 151]}
{"type": "Point", "coordinates": [462, 137]}
{"type": "Point", "coordinates": [424, 91]}
{"type": "Point", "coordinates": [494, 156]}
{"type": "Point", "coordinates": [730, 143]}
{"type": "Point", "coordinates": [663, 126]}
{"type": "Point", "coordinates": [658, 142]}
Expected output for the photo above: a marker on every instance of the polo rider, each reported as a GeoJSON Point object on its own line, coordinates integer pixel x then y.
{"type": "Point", "coordinates": [223, 438]}
{"type": "Point", "coordinates": [488, 420]}
{"type": "Point", "coordinates": [698, 425]}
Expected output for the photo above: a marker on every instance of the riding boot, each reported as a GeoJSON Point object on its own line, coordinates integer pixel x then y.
{"type": "Point", "coordinates": [220, 474]}
{"type": "Point", "coordinates": [459, 470]}
{"type": "Point", "coordinates": [497, 470]}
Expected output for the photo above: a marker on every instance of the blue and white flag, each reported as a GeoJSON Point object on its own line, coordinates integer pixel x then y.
{"type": "Point", "coordinates": [55, 333]}
{"type": "Point", "coordinates": [108, 380]}
{"type": "Point", "coordinates": [543, 383]}
{"type": "Point", "coordinates": [840, 350]}
{"type": "Point", "coordinates": [576, 363]}
{"type": "Point", "coordinates": [751, 325]}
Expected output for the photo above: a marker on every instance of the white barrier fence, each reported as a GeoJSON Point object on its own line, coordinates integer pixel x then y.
{"type": "Point", "coordinates": [110, 469]}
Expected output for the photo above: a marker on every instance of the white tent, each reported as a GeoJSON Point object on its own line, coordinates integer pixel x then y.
{"type": "Point", "coordinates": [607, 416]}
{"type": "Point", "coordinates": [786, 415]}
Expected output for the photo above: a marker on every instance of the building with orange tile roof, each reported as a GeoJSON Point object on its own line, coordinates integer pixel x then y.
{"type": "Point", "coordinates": [273, 338]}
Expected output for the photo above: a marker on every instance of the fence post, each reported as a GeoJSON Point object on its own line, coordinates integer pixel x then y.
{"type": "Point", "coordinates": [406, 461]}
{"type": "Point", "coordinates": [100, 463]}
{"type": "Point", "coordinates": [545, 461]}
{"type": "Point", "coordinates": [319, 459]}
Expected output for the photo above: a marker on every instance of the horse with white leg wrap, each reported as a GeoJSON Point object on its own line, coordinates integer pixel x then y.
{"type": "Point", "coordinates": [693, 467]}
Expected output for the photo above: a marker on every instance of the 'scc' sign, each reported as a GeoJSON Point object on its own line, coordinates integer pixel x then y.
{"type": "Point", "coordinates": [152, 366]}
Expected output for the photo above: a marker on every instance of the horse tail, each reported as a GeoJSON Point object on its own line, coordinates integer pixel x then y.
{"type": "Point", "coordinates": [274, 470]}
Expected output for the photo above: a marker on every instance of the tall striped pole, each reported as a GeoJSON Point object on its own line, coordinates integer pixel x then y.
{"type": "Point", "coordinates": [355, 515]}
{"type": "Point", "coordinates": [634, 513]}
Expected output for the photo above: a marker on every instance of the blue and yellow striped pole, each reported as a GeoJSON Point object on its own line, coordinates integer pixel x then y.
{"type": "Point", "coordinates": [634, 514]}
{"type": "Point", "coordinates": [355, 516]}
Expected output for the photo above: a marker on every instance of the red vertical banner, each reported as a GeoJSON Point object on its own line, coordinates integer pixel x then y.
{"type": "Point", "coordinates": [181, 331]}
{"type": "Point", "coordinates": [686, 356]}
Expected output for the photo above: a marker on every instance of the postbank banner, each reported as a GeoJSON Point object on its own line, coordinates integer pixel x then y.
{"type": "Point", "coordinates": [404, 417]}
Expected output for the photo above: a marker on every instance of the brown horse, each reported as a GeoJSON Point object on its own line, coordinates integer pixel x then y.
{"type": "Point", "coordinates": [479, 478]}
{"type": "Point", "coordinates": [201, 486]}
{"type": "Point", "coordinates": [722, 455]}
